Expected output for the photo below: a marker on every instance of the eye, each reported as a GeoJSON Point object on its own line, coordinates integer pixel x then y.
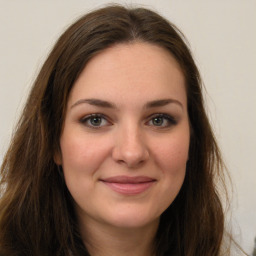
{"type": "Point", "coordinates": [95, 121]}
{"type": "Point", "coordinates": [162, 121]}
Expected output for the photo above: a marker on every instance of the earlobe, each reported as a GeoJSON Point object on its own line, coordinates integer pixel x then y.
{"type": "Point", "coordinates": [57, 158]}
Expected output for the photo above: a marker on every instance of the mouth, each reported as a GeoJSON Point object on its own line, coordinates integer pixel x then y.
{"type": "Point", "coordinates": [129, 185]}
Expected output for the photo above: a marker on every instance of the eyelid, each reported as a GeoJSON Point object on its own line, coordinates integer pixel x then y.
{"type": "Point", "coordinates": [86, 118]}
{"type": "Point", "coordinates": [172, 120]}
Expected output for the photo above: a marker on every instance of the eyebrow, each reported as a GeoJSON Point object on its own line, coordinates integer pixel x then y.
{"type": "Point", "coordinates": [95, 102]}
{"type": "Point", "coordinates": [162, 102]}
{"type": "Point", "coordinates": [106, 104]}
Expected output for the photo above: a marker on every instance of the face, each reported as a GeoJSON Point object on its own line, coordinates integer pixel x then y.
{"type": "Point", "coordinates": [125, 141]}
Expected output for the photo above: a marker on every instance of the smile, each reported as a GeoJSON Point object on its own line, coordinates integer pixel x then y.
{"type": "Point", "coordinates": [129, 185]}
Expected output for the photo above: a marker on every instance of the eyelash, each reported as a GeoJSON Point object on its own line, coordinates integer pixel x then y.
{"type": "Point", "coordinates": [88, 118]}
{"type": "Point", "coordinates": [170, 121]}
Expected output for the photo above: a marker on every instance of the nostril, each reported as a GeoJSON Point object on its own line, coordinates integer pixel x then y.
{"type": "Point", "coordinates": [132, 157]}
{"type": "Point", "coordinates": [130, 147]}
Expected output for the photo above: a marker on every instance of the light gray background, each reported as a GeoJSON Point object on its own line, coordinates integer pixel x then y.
{"type": "Point", "coordinates": [222, 35]}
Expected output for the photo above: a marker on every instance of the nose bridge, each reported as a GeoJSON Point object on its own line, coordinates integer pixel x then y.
{"type": "Point", "coordinates": [130, 146]}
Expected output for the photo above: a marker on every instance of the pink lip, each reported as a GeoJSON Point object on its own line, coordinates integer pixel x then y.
{"type": "Point", "coordinates": [129, 185]}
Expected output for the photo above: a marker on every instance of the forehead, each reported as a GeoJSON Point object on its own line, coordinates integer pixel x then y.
{"type": "Point", "coordinates": [131, 72]}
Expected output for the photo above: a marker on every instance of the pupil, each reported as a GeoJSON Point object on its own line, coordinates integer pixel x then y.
{"type": "Point", "coordinates": [158, 121]}
{"type": "Point", "coordinates": [96, 121]}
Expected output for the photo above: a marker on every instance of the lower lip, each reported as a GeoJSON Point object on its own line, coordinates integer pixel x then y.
{"type": "Point", "coordinates": [129, 188]}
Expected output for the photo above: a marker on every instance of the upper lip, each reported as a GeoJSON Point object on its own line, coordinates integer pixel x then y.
{"type": "Point", "coordinates": [128, 179]}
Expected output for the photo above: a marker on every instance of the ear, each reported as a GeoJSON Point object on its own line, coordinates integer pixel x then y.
{"type": "Point", "coordinates": [57, 158]}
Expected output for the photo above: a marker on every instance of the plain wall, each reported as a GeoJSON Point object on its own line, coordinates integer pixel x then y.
{"type": "Point", "coordinates": [222, 36]}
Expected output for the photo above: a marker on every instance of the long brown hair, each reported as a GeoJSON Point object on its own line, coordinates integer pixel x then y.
{"type": "Point", "coordinates": [36, 209]}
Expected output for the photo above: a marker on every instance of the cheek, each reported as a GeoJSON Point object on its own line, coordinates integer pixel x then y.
{"type": "Point", "coordinates": [82, 155]}
{"type": "Point", "coordinates": [173, 167]}
{"type": "Point", "coordinates": [172, 154]}
{"type": "Point", "coordinates": [172, 159]}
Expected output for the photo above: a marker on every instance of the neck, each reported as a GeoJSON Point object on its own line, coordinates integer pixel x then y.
{"type": "Point", "coordinates": [104, 240]}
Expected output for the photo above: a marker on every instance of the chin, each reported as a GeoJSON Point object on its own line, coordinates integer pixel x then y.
{"type": "Point", "coordinates": [132, 219]}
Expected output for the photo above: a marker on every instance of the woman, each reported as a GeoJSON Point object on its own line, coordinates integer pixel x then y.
{"type": "Point", "coordinates": [114, 154]}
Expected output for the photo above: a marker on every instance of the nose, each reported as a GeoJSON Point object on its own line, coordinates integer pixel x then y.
{"type": "Point", "coordinates": [130, 147]}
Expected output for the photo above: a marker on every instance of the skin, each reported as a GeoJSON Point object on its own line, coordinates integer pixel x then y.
{"type": "Point", "coordinates": [135, 83]}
